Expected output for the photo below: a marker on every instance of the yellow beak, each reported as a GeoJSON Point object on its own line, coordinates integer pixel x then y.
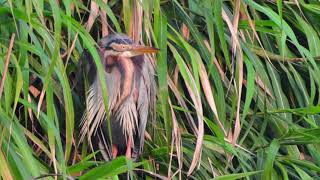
{"type": "Point", "coordinates": [137, 50]}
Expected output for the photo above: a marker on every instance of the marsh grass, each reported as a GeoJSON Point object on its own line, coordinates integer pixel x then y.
{"type": "Point", "coordinates": [238, 88]}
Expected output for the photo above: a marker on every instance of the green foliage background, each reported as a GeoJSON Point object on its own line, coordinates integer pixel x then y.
{"type": "Point", "coordinates": [238, 88]}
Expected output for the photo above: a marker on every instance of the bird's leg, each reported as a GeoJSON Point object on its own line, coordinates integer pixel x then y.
{"type": "Point", "coordinates": [128, 151]}
{"type": "Point", "coordinates": [114, 151]}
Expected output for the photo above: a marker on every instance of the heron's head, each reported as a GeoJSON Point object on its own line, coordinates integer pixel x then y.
{"type": "Point", "coordinates": [119, 45]}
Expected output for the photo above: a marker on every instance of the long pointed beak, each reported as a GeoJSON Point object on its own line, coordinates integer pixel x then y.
{"type": "Point", "coordinates": [137, 50]}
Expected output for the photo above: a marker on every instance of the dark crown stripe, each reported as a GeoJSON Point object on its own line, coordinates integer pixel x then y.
{"type": "Point", "coordinates": [119, 39]}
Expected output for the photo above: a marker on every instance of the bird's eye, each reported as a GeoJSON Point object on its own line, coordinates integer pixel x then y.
{"type": "Point", "coordinates": [123, 47]}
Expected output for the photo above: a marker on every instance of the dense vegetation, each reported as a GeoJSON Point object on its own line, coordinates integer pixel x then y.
{"type": "Point", "coordinates": [238, 87]}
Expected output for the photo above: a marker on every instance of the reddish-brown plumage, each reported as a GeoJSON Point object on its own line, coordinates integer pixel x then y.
{"type": "Point", "coordinates": [127, 73]}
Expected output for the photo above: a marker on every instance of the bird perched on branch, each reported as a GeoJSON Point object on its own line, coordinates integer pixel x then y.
{"type": "Point", "coordinates": [131, 91]}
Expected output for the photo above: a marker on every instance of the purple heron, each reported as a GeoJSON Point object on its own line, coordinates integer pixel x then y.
{"type": "Point", "coordinates": [131, 93]}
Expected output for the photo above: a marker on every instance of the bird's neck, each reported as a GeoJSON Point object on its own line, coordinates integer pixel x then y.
{"type": "Point", "coordinates": [126, 67]}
